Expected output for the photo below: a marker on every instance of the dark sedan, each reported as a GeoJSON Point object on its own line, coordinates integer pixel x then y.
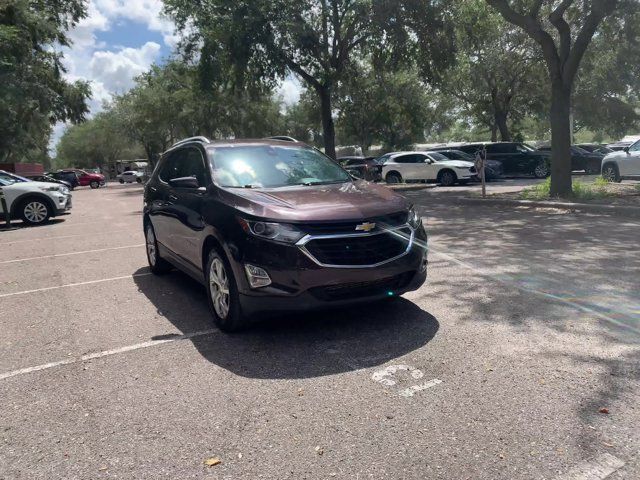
{"type": "Point", "coordinates": [49, 179]}
{"type": "Point", "coordinates": [582, 160]}
{"type": "Point", "coordinates": [365, 168]}
{"type": "Point", "coordinates": [595, 148]}
{"type": "Point", "coordinates": [66, 176]}
{"type": "Point", "coordinates": [517, 158]}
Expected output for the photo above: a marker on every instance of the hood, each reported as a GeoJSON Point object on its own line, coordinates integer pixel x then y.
{"type": "Point", "coordinates": [619, 154]}
{"type": "Point", "coordinates": [456, 163]}
{"type": "Point", "coordinates": [40, 185]}
{"type": "Point", "coordinates": [322, 203]}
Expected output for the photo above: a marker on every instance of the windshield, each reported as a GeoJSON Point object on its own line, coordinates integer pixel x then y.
{"type": "Point", "coordinates": [274, 166]}
{"type": "Point", "coordinates": [523, 147]}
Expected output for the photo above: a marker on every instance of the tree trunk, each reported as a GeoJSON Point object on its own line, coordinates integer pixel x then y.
{"type": "Point", "coordinates": [560, 139]}
{"type": "Point", "coordinates": [494, 132]}
{"type": "Point", "coordinates": [328, 128]}
{"type": "Point", "coordinates": [501, 122]}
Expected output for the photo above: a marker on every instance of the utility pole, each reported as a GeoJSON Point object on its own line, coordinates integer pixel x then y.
{"type": "Point", "coordinates": [3, 204]}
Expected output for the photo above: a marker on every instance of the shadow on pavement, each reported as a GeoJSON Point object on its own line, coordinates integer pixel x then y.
{"type": "Point", "coordinates": [294, 346]}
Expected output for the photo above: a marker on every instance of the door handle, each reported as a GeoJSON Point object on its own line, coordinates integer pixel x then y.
{"type": "Point", "coordinates": [172, 197]}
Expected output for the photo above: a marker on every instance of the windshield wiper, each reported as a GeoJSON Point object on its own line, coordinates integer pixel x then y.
{"type": "Point", "coordinates": [313, 184]}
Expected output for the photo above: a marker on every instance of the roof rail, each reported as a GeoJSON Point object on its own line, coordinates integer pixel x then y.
{"type": "Point", "coordinates": [192, 139]}
{"type": "Point", "coordinates": [284, 138]}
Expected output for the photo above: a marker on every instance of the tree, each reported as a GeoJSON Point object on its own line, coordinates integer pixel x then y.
{"type": "Point", "coordinates": [34, 94]}
{"type": "Point", "coordinates": [96, 143]}
{"type": "Point", "coordinates": [497, 74]}
{"type": "Point", "coordinates": [564, 36]}
{"type": "Point", "coordinates": [394, 108]}
{"type": "Point", "coordinates": [315, 39]}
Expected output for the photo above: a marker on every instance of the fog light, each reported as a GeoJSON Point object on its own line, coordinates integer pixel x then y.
{"type": "Point", "coordinates": [257, 276]}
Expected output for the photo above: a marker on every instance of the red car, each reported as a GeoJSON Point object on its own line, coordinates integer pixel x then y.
{"type": "Point", "coordinates": [93, 180]}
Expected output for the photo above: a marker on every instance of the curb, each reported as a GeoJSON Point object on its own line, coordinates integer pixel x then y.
{"type": "Point", "coordinates": [620, 210]}
{"type": "Point", "coordinates": [404, 187]}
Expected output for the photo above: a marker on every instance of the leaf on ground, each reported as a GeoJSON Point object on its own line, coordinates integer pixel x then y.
{"type": "Point", "coordinates": [212, 462]}
{"type": "Point", "coordinates": [319, 450]}
{"type": "Point", "coordinates": [604, 410]}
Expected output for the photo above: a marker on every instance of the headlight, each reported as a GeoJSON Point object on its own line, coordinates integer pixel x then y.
{"type": "Point", "coordinates": [49, 189]}
{"type": "Point", "coordinates": [414, 219]}
{"type": "Point", "coordinates": [278, 232]}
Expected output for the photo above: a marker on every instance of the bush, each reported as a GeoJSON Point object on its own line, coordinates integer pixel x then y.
{"type": "Point", "coordinates": [581, 191]}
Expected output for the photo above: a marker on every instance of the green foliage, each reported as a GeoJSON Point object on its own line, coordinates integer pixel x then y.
{"type": "Point", "coordinates": [34, 95]}
{"type": "Point", "coordinates": [581, 191]}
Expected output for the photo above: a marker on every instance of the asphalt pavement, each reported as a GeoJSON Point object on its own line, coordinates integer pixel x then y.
{"type": "Point", "coordinates": [519, 359]}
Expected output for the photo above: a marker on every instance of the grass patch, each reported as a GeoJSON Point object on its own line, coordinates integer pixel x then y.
{"type": "Point", "coordinates": [581, 191]}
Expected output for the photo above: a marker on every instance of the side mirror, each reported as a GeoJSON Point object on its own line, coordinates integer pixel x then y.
{"type": "Point", "coordinates": [184, 182]}
{"type": "Point", "coordinates": [626, 149]}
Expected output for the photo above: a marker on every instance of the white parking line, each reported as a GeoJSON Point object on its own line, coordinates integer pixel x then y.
{"type": "Point", "coordinates": [91, 282]}
{"type": "Point", "coordinates": [105, 353]}
{"type": "Point", "coordinates": [597, 469]}
{"type": "Point", "coordinates": [28, 259]}
{"type": "Point", "coordinates": [62, 237]}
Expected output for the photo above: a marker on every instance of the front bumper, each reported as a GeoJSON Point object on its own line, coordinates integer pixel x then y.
{"type": "Point", "coordinates": [300, 284]}
{"type": "Point", "coordinates": [63, 203]}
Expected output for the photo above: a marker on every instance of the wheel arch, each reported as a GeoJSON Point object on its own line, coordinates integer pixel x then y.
{"type": "Point", "coordinates": [393, 172]}
{"type": "Point", "coordinates": [446, 169]}
{"type": "Point", "coordinates": [35, 195]}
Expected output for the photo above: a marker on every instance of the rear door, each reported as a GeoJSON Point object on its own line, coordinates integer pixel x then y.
{"type": "Point", "coordinates": [410, 166]}
{"type": "Point", "coordinates": [160, 199]}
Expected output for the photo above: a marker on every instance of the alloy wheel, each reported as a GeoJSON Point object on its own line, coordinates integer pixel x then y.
{"type": "Point", "coordinates": [541, 170]}
{"type": "Point", "coordinates": [219, 288]}
{"type": "Point", "coordinates": [35, 211]}
{"type": "Point", "coordinates": [610, 174]}
{"type": "Point", "coordinates": [447, 179]}
{"type": "Point", "coordinates": [151, 247]}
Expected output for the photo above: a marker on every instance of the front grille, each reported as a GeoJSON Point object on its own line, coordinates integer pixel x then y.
{"type": "Point", "coordinates": [361, 250]}
{"type": "Point", "coordinates": [385, 221]}
{"type": "Point", "coordinates": [362, 289]}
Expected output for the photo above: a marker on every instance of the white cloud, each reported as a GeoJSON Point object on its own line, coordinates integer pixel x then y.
{"type": "Point", "coordinates": [116, 70]}
{"type": "Point", "coordinates": [290, 90]}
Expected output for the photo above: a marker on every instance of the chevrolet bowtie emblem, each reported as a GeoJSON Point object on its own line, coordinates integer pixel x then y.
{"type": "Point", "coordinates": [365, 227]}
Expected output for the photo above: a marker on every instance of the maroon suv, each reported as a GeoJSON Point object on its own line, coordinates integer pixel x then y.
{"type": "Point", "coordinates": [276, 226]}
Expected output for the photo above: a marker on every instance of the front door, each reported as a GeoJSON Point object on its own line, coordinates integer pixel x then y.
{"type": "Point", "coordinates": [630, 166]}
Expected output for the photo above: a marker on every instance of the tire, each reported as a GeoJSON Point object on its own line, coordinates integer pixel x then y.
{"type": "Point", "coordinates": [541, 170]}
{"type": "Point", "coordinates": [94, 184]}
{"type": "Point", "coordinates": [611, 173]}
{"type": "Point", "coordinates": [35, 211]}
{"type": "Point", "coordinates": [225, 308]}
{"type": "Point", "coordinates": [121, 181]}
{"type": "Point", "coordinates": [447, 178]}
{"type": "Point", "coordinates": [157, 264]}
{"type": "Point", "coordinates": [393, 178]}
{"type": "Point", "coordinates": [138, 180]}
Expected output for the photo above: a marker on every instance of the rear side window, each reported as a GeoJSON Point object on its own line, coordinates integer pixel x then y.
{"type": "Point", "coordinates": [186, 162]}
{"type": "Point", "coordinates": [169, 169]}
{"type": "Point", "coordinates": [408, 159]}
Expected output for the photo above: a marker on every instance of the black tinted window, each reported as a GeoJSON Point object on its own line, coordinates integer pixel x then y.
{"type": "Point", "coordinates": [412, 158]}
{"type": "Point", "coordinates": [500, 148]}
{"type": "Point", "coordinates": [184, 163]}
{"type": "Point", "coordinates": [169, 168]}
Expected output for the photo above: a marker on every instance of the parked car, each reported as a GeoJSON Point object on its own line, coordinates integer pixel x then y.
{"type": "Point", "coordinates": [619, 146]}
{"type": "Point", "coordinates": [492, 168]}
{"type": "Point", "coordinates": [517, 158]}
{"type": "Point", "coordinates": [595, 148]}
{"type": "Point", "coordinates": [365, 168]}
{"type": "Point", "coordinates": [93, 180]}
{"type": "Point", "coordinates": [277, 226]}
{"type": "Point", "coordinates": [34, 202]}
{"type": "Point", "coordinates": [426, 166]}
{"type": "Point", "coordinates": [66, 176]}
{"type": "Point", "coordinates": [131, 177]}
{"type": "Point", "coordinates": [625, 164]}
{"type": "Point", "coordinates": [48, 179]}
{"type": "Point", "coordinates": [581, 160]}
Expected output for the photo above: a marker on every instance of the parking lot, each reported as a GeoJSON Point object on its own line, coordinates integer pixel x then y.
{"type": "Point", "coordinates": [519, 359]}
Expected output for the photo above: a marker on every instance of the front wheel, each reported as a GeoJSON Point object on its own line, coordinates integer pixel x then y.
{"type": "Point", "coordinates": [35, 211]}
{"type": "Point", "coordinates": [610, 173]}
{"type": "Point", "coordinates": [121, 181]}
{"type": "Point", "coordinates": [447, 178]}
{"type": "Point", "coordinates": [94, 184]}
{"type": "Point", "coordinates": [222, 294]}
{"type": "Point", "coordinates": [541, 170]}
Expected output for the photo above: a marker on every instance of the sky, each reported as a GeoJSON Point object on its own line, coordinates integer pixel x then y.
{"type": "Point", "coordinates": [119, 40]}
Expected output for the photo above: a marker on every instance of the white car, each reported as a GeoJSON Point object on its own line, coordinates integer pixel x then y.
{"type": "Point", "coordinates": [624, 164]}
{"type": "Point", "coordinates": [33, 202]}
{"type": "Point", "coordinates": [131, 177]}
{"type": "Point", "coordinates": [429, 166]}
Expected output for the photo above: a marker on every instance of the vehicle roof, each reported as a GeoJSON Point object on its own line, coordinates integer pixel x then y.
{"type": "Point", "coordinates": [212, 144]}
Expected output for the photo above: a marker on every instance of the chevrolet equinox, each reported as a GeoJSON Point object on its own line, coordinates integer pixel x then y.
{"type": "Point", "coordinates": [276, 226]}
